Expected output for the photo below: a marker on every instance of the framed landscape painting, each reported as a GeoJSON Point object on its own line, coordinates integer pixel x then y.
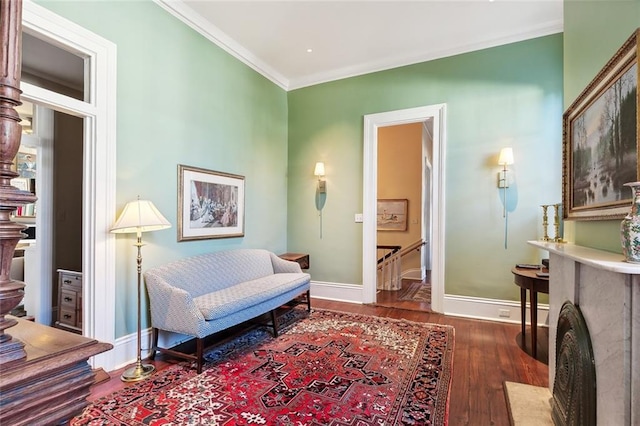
{"type": "Point", "coordinates": [600, 141]}
{"type": "Point", "coordinates": [210, 204]}
{"type": "Point", "coordinates": [392, 215]}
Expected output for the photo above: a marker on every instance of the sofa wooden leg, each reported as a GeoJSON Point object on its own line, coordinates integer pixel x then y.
{"type": "Point", "coordinates": [274, 321]}
{"type": "Point", "coordinates": [199, 362]}
{"type": "Point", "coordinates": [309, 300]}
{"type": "Point", "coordinates": [154, 345]}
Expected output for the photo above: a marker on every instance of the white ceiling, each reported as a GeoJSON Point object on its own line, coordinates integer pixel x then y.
{"type": "Point", "coordinates": [350, 38]}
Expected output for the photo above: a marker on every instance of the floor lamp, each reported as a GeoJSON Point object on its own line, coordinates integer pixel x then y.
{"type": "Point", "coordinates": [137, 217]}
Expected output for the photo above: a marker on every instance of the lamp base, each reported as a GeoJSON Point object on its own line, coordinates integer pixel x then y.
{"type": "Point", "coordinates": [137, 373]}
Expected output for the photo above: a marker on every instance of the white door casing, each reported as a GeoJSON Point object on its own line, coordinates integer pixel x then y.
{"type": "Point", "coordinates": [392, 118]}
{"type": "Point", "coordinates": [99, 114]}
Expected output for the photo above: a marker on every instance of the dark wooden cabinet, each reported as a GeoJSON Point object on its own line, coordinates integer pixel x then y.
{"type": "Point", "coordinates": [301, 258]}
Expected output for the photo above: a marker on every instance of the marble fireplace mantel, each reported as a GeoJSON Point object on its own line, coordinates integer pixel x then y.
{"type": "Point", "coordinates": [607, 290]}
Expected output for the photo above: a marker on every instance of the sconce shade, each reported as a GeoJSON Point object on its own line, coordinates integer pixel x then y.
{"type": "Point", "coordinates": [140, 216]}
{"type": "Point", "coordinates": [506, 157]}
{"type": "Point", "coordinates": [319, 170]}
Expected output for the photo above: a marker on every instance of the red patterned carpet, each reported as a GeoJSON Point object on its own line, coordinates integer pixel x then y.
{"type": "Point", "coordinates": [327, 368]}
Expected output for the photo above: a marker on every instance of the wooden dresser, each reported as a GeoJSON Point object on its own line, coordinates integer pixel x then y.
{"type": "Point", "coordinates": [69, 301]}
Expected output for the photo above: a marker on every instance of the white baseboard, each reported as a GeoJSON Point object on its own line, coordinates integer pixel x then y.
{"type": "Point", "coordinates": [412, 274]}
{"type": "Point", "coordinates": [125, 348]}
{"type": "Point", "coordinates": [351, 293]}
{"type": "Point", "coordinates": [492, 309]}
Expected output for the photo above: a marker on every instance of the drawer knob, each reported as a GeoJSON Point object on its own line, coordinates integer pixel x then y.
{"type": "Point", "coordinates": [68, 299]}
{"type": "Point", "coordinates": [67, 316]}
{"type": "Point", "coordinates": [67, 281]}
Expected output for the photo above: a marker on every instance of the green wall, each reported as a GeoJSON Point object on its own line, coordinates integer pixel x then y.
{"type": "Point", "coordinates": [183, 100]}
{"type": "Point", "coordinates": [508, 95]}
{"type": "Point", "coordinates": [593, 32]}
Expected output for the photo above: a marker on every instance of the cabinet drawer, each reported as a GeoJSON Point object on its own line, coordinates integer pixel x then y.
{"type": "Point", "coordinates": [67, 279]}
{"type": "Point", "coordinates": [68, 317]}
{"type": "Point", "coordinates": [68, 298]}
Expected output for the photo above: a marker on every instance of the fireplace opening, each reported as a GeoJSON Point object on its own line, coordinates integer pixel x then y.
{"type": "Point", "coordinates": [574, 388]}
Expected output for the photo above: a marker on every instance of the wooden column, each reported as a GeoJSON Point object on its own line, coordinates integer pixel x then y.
{"type": "Point", "coordinates": [11, 292]}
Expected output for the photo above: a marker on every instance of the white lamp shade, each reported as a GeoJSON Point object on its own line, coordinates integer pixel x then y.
{"type": "Point", "coordinates": [319, 170]}
{"type": "Point", "coordinates": [506, 157]}
{"type": "Point", "coordinates": [140, 216]}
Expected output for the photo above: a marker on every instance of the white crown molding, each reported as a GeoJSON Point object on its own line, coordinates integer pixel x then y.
{"type": "Point", "coordinates": [178, 9]}
{"type": "Point", "coordinates": [400, 61]}
{"type": "Point", "coordinates": [212, 33]}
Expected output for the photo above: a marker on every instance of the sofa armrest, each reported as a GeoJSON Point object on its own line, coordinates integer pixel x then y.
{"type": "Point", "coordinates": [281, 266]}
{"type": "Point", "coordinates": [172, 308]}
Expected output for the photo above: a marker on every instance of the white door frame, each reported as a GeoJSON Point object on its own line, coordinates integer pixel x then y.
{"type": "Point", "coordinates": [370, 189]}
{"type": "Point", "coordinates": [99, 114]}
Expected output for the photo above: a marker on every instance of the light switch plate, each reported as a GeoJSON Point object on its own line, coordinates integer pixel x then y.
{"type": "Point", "coordinates": [358, 217]}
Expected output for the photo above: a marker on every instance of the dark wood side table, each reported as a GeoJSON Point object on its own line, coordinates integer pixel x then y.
{"type": "Point", "coordinates": [527, 279]}
{"type": "Point", "coordinates": [51, 384]}
{"type": "Point", "coordinates": [301, 258]}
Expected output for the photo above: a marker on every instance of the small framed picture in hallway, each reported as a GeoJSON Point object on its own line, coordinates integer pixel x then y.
{"type": "Point", "coordinates": [392, 215]}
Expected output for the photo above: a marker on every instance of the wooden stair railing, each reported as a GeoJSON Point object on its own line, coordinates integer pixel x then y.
{"type": "Point", "coordinates": [413, 246]}
{"type": "Point", "coordinates": [392, 250]}
{"type": "Point", "coordinates": [389, 271]}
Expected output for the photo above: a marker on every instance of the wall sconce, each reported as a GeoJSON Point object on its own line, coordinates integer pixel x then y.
{"type": "Point", "coordinates": [505, 159]}
{"type": "Point", "coordinates": [319, 171]}
{"type": "Point", "coordinates": [321, 191]}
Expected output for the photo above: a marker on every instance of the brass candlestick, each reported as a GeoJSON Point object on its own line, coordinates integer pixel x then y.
{"type": "Point", "coordinates": [556, 223]}
{"type": "Point", "coordinates": [545, 222]}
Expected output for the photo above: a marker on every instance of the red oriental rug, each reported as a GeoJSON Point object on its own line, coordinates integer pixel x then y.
{"type": "Point", "coordinates": [326, 368]}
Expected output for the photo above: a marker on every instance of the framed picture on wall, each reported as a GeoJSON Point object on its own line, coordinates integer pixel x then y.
{"type": "Point", "coordinates": [210, 204]}
{"type": "Point", "coordinates": [392, 215]}
{"type": "Point", "coordinates": [600, 141]}
{"type": "Point", "coordinates": [25, 162]}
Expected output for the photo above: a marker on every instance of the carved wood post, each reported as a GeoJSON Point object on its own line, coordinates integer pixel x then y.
{"type": "Point", "coordinates": [11, 292]}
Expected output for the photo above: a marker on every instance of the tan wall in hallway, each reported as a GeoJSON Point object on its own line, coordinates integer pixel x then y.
{"type": "Point", "coordinates": [400, 177]}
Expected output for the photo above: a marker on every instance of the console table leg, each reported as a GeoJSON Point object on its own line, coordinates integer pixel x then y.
{"type": "Point", "coordinates": [523, 314]}
{"type": "Point", "coordinates": [534, 323]}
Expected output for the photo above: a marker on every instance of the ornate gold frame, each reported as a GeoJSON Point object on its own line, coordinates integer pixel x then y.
{"type": "Point", "coordinates": [591, 191]}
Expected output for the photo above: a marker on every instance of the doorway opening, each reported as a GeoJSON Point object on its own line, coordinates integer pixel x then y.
{"type": "Point", "coordinates": [432, 181]}
{"type": "Point", "coordinates": [403, 218]}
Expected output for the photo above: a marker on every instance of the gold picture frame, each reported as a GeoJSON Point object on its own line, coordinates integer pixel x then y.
{"type": "Point", "coordinates": [600, 141]}
{"type": "Point", "coordinates": [210, 204]}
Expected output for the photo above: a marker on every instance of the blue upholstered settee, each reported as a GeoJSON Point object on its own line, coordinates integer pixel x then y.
{"type": "Point", "coordinates": [204, 294]}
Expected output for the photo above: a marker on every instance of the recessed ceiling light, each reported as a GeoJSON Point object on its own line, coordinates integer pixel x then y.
{"type": "Point", "coordinates": [309, 50]}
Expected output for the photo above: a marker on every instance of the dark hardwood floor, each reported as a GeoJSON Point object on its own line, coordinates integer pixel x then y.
{"type": "Point", "coordinates": [486, 355]}
{"type": "Point", "coordinates": [393, 299]}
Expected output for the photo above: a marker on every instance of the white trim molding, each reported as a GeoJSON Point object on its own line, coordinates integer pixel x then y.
{"type": "Point", "coordinates": [212, 33]}
{"type": "Point", "coordinates": [99, 168]}
{"type": "Point", "coordinates": [492, 309]}
{"type": "Point", "coordinates": [370, 189]}
{"type": "Point", "coordinates": [188, 16]}
{"type": "Point", "coordinates": [350, 293]}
